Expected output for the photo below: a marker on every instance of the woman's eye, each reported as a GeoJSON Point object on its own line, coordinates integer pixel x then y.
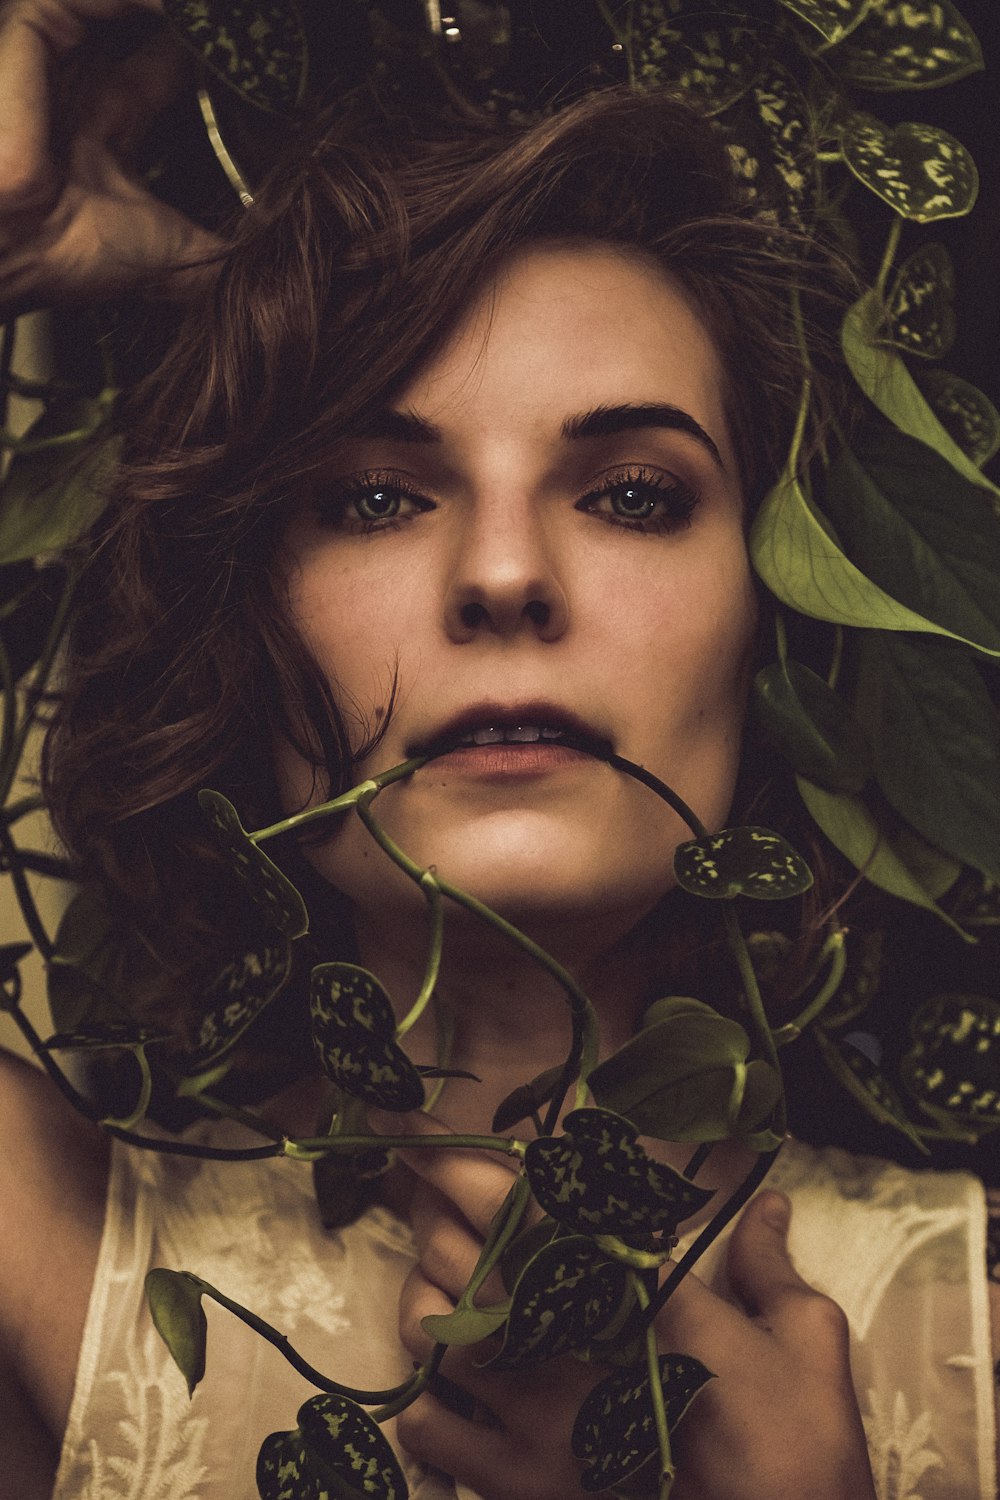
{"type": "Point", "coordinates": [370, 503]}
{"type": "Point", "coordinates": [643, 501]}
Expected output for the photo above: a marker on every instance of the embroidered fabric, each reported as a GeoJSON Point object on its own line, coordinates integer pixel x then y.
{"type": "Point", "coordinates": [901, 1252]}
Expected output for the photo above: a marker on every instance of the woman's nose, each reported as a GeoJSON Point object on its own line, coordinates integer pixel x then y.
{"type": "Point", "coordinates": [505, 578]}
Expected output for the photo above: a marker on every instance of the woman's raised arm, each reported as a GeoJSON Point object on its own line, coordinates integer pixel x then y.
{"type": "Point", "coordinates": [77, 223]}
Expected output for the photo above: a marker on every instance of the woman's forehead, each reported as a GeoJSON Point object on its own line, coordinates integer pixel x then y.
{"type": "Point", "coordinates": [564, 330]}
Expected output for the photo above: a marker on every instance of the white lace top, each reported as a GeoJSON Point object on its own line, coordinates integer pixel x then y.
{"type": "Point", "coordinates": [902, 1252]}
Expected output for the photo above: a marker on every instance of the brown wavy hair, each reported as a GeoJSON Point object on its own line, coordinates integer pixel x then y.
{"type": "Point", "coordinates": [356, 261]}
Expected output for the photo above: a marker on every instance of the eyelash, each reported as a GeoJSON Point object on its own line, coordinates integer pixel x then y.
{"type": "Point", "coordinates": [678, 498]}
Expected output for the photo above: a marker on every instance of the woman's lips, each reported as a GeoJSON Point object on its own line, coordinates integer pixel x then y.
{"type": "Point", "coordinates": [510, 758]}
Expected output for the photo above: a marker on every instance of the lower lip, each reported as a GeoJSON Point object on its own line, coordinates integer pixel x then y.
{"type": "Point", "coordinates": [508, 759]}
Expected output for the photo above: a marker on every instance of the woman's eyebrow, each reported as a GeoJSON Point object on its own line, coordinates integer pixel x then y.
{"type": "Point", "coordinates": [605, 421]}
{"type": "Point", "coordinates": [602, 421]}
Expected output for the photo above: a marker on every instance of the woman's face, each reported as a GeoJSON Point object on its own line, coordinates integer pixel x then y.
{"type": "Point", "coordinates": [545, 530]}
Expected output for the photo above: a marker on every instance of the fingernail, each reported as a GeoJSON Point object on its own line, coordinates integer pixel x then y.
{"type": "Point", "coordinates": [776, 1210]}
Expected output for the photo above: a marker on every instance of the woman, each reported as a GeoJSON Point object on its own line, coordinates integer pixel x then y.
{"type": "Point", "coordinates": [467, 448]}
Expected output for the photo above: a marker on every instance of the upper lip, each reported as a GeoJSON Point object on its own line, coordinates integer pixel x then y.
{"type": "Point", "coordinates": [509, 716]}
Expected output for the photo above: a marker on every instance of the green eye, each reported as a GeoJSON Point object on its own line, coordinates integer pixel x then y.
{"type": "Point", "coordinates": [632, 501]}
{"type": "Point", "coordinates": [380, 504]}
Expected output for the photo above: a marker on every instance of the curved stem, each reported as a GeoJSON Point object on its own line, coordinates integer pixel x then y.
{"type": "Point", "coordinates": [344, 802]}
{"type": "Point", "coordinates": [661, 789]}
{"type": "Point", "coordinates": [755, 1003]}
{"type": "Point", "coordinates": [656, 1392]}
{"type": "Point", "coordinates": [835, 949]}
{"type": "Point", "coordinates": [888, 256]}
{"type": "Point", "coordinates": [431, 889]}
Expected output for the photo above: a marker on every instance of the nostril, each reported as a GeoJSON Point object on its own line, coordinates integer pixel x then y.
{"type": "Point", "coordinates": [473, 615]}
{"type": "Point", "coordinates": [538, 612]}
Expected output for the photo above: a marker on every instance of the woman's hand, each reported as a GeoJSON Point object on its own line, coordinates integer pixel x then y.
{"type": "Point", "coordinates": [780, 1421]}
{"type": "Point", "coordinates": [76, 222]}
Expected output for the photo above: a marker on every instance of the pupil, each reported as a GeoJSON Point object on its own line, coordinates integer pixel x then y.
{"type": "Point", "coordinates": [629, 500]}
{"type": "Point", "coordinates": [378, 504]}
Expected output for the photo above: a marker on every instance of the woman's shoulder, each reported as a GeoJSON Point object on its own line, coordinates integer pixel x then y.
{"type": "Point", "coordinates": [53, 1179]}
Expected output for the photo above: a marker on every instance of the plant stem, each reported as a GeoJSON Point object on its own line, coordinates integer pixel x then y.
{"type": "Point", "coordinates": [712, 1230]}
{"type": "Point", "coordinates": [888, 256]}
{"type": "Point", "coordinates": [698, 1159]}
{"type": "Point", "coordinates": [419, 1381]}
{"type": "Point", "coordinates": [344, 802]}
{"type": "Point", "coordinates": [656, 1392]}
{"type": "Point", "coordinates": [661, 789]}
{"type": "Point", "coordinates": [243, 1117]}
{"type": "Point", "coordinates": [431, 889]}
{"type": "Point", "coordinates": [327, 1143]}
{"type": "Point", "coordinates": [755, 1004]}
{"type": "Point", "coordinates": [836, 950]}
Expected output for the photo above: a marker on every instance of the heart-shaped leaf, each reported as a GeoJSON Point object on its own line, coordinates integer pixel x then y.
{"type": "Point", "coordinates": [921, 171]}
{"type": "Point", "coordinates": [919, 307]}
{"type": "Point", "coordinates": [854, 1069]}
{"type": "Point", "coordinates": [615, 1429]}
{"type": "Point", "coordinates": [905, 45]}
{"type": "Point", "coordinates": [773, 122]}
{"type": "Point", "coordinates": [465, 1325]}
{"type": "Point", "coordinates": [754, 862]}
{"type": "Point", "coordinates": [353, 1028]}
{"type": "Point", "coordinates": [965, 412]}
{"type": "Point", "coordinates": [833, 19]}
{"type": "Point", "coordinates": [850, 826]}
{"type": "Point", "coordinates": [336, 1453]}
{"type": "Point", "coordinates": [101, 1036]}
{"type": "Point", "coordinates": [566, 1294]}
{"type": "Point", "coordinates": [812, 726]}
{"type": "Point", "coordinates": [682, 1077]}
{"type": "Point", "coordinates": [597, 1179]}
{"type": "Point", "coordinates": [936, 742]}
{"type": "Point", "coordinates": [54, 491]}
{"type": "Point", "coordinates": [709, 60]}
{"type": "Point", "coordinates": [795, 553]}
{"type": "Point", "coordinates": [237, 997]}
{"type": "Point", "coordinates": [888, 384]}
{"type": "Point", "coordinates": [920, 530]}
{"type": "Point", "coordinates": [174, 1299]}
{"type": "Point", "coordinates": [257, 47]}
{"type": "Point", "coordinates": [526, 1099]}
{"type": "Point", "coordinates": [268, 887]}
{"type": "Point", "coordinates": [954, 1062]}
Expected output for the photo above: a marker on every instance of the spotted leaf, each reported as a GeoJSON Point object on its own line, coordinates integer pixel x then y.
{"type": "Point", "coordinates": [954, 1062]}
{"type": "Point", "coordinates": [597, 1179]}
{"type": "Point", "coordinates": [237, 997]}
{"type": "Point", "coordinates": [709, 62]}
{"type": "Point", "coordinates": [353, 1028]}
{"type": "Point", "coordinates": [965, 413]}
{"type": "Point", "coordinates": [861, 1077]}
{"type": "Point", "coordinates": [335, 1453]}
{"type": "Point", "coordinates": [267, 886]}
{"type": "Point", "coordinates": [833, 19]}
{"type": "Point", "coordinates": [615, 1429]}
{"type": "Point", "coordinates": [750, 861]}
{"type": "Point", "coordinates": [565, 1296]}
{"type": "Point", "coordinates": [921, 171]}
{"type": "Point", "coordinates": [908, 44]}
{"type": "Point", "coordinates": [919, 308]}
{"type": "Point", "coordinates": [256, 47]}
{"type": "Point", "coordinates": [773, 123]}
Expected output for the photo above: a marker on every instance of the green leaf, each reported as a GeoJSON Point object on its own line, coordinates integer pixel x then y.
{"type": "Point", "coordinates": [615, 1428]}
{"type": "Point", "coordinates": [53, 494]}
{"type": "Point", "coordinates": [850, 826]}
{"type": "Point", "coordinates": [102, 1036]}
{"type": "Point", "coordinates": [174, 1299]}
{"type": "Point", "coordinates": [812, 726]}
{"type": "Point", "coordinates": [936, 743]}
{"type": "Point", "coordinates": [888, 384]}
{"type": "Point", "coordinates": [709, 62]}
{"type": "Point", "coordinates": [267, 886]}
{"type": "Point", "coordinates": [754, 862]}
{"type": "Point", "coordinates": [921, 171]}
{"type": "Point", "coordinates": [861, 1078]}
{"type": "Point", "coordinates": [237, 997]}
{"type": "Point", "coordinates": [353, 1028]}
{"type": "Point", "coordinates": [466, 1325]}
{"type": "Point", "coordinates": [773, 123]}
{"type": "Point", "coordinates": [920, 530]}
{"type": "Point", "coordinates": [597, 1179]}
{"type": "Point", "coordinates": [257, 47]}
{"type": "Point", "coordinates": [833, 19]}
{"type": "Point", "coordinates": [676, 1078]}
{"type": "Point", "coordinates": [337, 1452]}
{"type": "Point", "coordinates": [566, 1294]}
{"type": "Point", "coordinates": [919, 309]}
{"type": "Point", "coordinates": [909, 44]}
{"type": "Point", "coordinates": [954, 1062]}
{"type": "Point", "coordinates": [797, 557]}
{"type": "Point", "coordinates": [526, 1099]}
{"type": "Point", "coordinates": [965, 412]}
